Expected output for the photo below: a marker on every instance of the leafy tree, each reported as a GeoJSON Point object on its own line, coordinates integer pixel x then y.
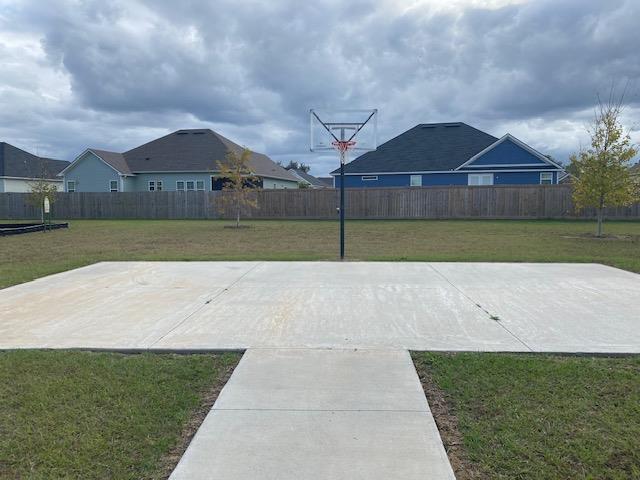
{"type": "Point", "coordinates": [41, 188]}
{"type": "Point", "coordinates": [298, 166]}
{"type": "Point", "coordinates": [603, 175]}
{"type": "Point", "coordinates": [239, 184]}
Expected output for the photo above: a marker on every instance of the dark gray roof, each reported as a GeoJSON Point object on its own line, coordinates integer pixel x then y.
{"type": "Point", "coordinates": [316, 182]}
{"type": "Point", "coordinates": [425, 147]}
{"type": "Point", "coordinates": [116, 160]}
{"type": "Point", "coordinates": [196, 150]}
{"type": "Point", "coordinates": [327, 181]}
{"type": "Point", "coordinates": [15, 162]}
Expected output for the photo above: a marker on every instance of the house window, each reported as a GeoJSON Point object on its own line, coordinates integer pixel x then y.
{"type": "Point", "coordinates": [546, 178]}
{"type": "Point", "coordinates": [180, 185]}
{"type": "Point", "coordinates": [199, 184]}
{"type": "Point", "coordinates": [415, 180]}
{"type": "Point", "coordinates": [71, 186]}
{"type": "Point", "coordinates": [113, 186]}
{"type": "Point", "coordinates": [159, 185]}
{"type": "Point", "coordinates": [191, 185]}
{"type": "Point", "coordinates": [369, 178]}
{"type": "Point", "coordinates": [152, 186]}
{"type": "Point", "coordinates": [480, 179]}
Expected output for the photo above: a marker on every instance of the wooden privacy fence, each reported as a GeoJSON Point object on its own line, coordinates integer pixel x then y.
{"type": "Point", "coordinates": [526, 201]}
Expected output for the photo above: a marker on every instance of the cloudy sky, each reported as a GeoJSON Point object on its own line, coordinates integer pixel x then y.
{"type": "Point", "coordinates": [115, 74]}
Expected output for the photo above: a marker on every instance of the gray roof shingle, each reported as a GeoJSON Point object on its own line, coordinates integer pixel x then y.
{"type": "Point", "coordinates": [116, 160]}
{"type": "Point", "coordinates": [15, 162]}
{"type": "Point", "coordinates": [196, 150]}
{"type": "Point", "coordinates": [425, 147]}
{"type": "Point", "coordinates": [316, 182]}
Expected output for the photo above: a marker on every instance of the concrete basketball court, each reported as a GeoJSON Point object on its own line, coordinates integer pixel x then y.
{"type": "Point", "coordinates": [238, 305]}
{"type": "Point", "coordinates": [326, 387]}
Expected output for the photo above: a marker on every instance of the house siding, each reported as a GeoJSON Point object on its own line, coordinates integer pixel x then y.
{"type": "Point", "coordinates": [91, 174]}
{"type": "Point", "coordinates": [276, 183]}
{"type": "Point", "coordinates": [507, 153]}
{"type": "Point", "coordinates": [140, 182]}
{"type": "Point", "coordinates": [19, 185]}
{"type": "Point", "coordinates": [443, 179]}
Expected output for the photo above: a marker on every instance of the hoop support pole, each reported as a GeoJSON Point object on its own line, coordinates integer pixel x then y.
{"type": "Point", "coordinates": [343, 154]}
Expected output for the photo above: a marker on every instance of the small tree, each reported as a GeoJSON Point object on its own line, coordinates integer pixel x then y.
{"type": "Point", "coordinates": [238, 183]}
{"type": "Point", "coordinates": [41, 188]}
{"type": "Point", "coordinates": [298, 166]}
{"type": "Point", "coordinates": [603, 177]}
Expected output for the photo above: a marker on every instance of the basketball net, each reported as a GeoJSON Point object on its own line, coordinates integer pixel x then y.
{"type": "Point", "coordinates": [343, 147]}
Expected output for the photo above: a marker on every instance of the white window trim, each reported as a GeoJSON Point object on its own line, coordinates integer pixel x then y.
{"type": "Point", "coordinates": [203, 186]}
{"type": "Point", "coordinates": [74, 186]}
{"type": "Point", "coordinates": [369, 178]}
{"type": "Point", "coordinates": [479, 175]}
{"type": "Point", "coordinates": [412, 177]}
{"type": "Point", "coordinates": [111, 188]}
{"type": "Point", "coordinates": [184, 186]}
{"type": "Point", "coordinates": [149, 185]}
{"type": "Point", "coordinates": [159, 185]}
{"type": "Point", "coordinates": [550, 174]}
{"type": "Point", "coordinates": [187, 188]}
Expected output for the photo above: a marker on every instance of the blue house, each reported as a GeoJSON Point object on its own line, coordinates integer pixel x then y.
{"type": "Point", "coordinates": [450, 154]}
{"type": "Point", "coordinates": [185, 160]}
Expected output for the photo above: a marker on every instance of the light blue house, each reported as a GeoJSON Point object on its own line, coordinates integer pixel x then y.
{"type": "Point", "coordinates": [450, 154]}
{"type": "Point", "coordinates": [185, 160]}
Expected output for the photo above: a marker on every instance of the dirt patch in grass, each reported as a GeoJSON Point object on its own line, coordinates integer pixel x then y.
{"type": "Point", "coordinates": [447, 423]}
{"type": "Point", "coordinates": [605, 237]}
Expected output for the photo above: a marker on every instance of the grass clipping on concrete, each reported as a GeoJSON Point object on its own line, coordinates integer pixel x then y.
{"type": "Point", "coordinates": [507, 416]}
{"type": "Point", "coordinates": [102, 415]}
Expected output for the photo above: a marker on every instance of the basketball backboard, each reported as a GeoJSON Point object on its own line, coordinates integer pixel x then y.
{"type": "Point", "coordinates": [328, 128]}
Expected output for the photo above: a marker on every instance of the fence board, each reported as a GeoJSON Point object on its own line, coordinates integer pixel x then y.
{"type": "Point", "coordinates": [510, 201]}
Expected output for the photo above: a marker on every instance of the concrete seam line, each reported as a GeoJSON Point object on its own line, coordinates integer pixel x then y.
{"type": "Point", "coordinates": [207, 302]}
{"type": "Point", "coordinates": [476, 304]}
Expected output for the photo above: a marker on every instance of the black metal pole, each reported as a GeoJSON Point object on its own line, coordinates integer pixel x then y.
{"type": "Point", "coordinates": [341, 205]}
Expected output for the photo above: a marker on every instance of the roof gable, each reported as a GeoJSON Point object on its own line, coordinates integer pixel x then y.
{"type": "Point", "coordinates": [423, 148]}
{"type": "Point", "coordinates": [196, 150]}
{"type": "Point", "coordinates": [113, 160]}
{"type": "Point", "coordinates": [15, 162]}
{"type": "Point", "coordinates": [508, 151]}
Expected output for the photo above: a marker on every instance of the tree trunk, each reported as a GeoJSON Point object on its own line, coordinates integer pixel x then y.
{"type": "Point", "coordinates": [238, 216]}
{"type": "Point", "coordinates": [599, 228]}
{"type": "Point", "coordinates": [600, 214]}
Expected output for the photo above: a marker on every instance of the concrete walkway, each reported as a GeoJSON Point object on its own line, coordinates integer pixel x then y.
{"type": "Point", "coordinates": [319, 414]}
{"type": "Point", "coordinates": [239, 305]}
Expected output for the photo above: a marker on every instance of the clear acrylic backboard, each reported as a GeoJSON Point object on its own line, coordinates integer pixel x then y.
{"type": "Point", "coordinates": [329, 128]}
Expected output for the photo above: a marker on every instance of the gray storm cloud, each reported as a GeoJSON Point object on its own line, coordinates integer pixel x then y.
{"type": "Point", "coordinates": [116, 74]}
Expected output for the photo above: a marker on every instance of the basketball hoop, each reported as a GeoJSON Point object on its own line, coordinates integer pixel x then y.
{"type": "Point", "coordinates": [343, 145]}
{"type": "Point", "coordinates": [338, 130]}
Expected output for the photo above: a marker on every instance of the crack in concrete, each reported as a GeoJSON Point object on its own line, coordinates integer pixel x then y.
{"type": "Point", "coordinates": [491, 316]}
{"type": "Point", "coordinates": [207, 302]}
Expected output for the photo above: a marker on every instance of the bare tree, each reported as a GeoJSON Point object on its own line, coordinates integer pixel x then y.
{"type": "Point", "coordinates": [40, 188]}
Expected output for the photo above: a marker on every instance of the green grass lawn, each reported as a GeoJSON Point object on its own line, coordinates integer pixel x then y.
{"type": "Point", "coordinates": [25, 257]}
{"type": "Point", "coordinates": [539, 416]}
{"type": "Point", "coordinates": [66, 414]}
